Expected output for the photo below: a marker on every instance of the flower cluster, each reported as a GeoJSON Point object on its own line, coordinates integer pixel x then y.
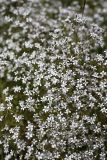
{"type": "Point", "coordinates": [53, 83]}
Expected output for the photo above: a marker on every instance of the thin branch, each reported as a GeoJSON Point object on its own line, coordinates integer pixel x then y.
{"type": "Point", "coordinates": [83, 6]}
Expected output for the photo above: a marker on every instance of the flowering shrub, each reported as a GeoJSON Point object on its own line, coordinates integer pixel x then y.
{"type": "Point", "coordinates": [97, 10]}
{"type": "Point", "coordinates": [53, 83]}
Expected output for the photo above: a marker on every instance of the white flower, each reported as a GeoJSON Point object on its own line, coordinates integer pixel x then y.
{"type": "Point", "coordinates": [9, 98]}
{"type": "Point", "coordinates": [29, 132]}
{"type": "Point", "coordinates": [17, 89]}
{"type": "Point", "coordinates": [18, 118]}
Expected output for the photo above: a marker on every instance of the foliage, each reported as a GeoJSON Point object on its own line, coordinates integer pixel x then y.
{"type": "Point", "coordinates": [53, 82]}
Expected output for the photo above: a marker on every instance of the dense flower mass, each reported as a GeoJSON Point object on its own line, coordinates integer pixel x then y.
{"type": "Point", "coordinates": [53, 83]}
